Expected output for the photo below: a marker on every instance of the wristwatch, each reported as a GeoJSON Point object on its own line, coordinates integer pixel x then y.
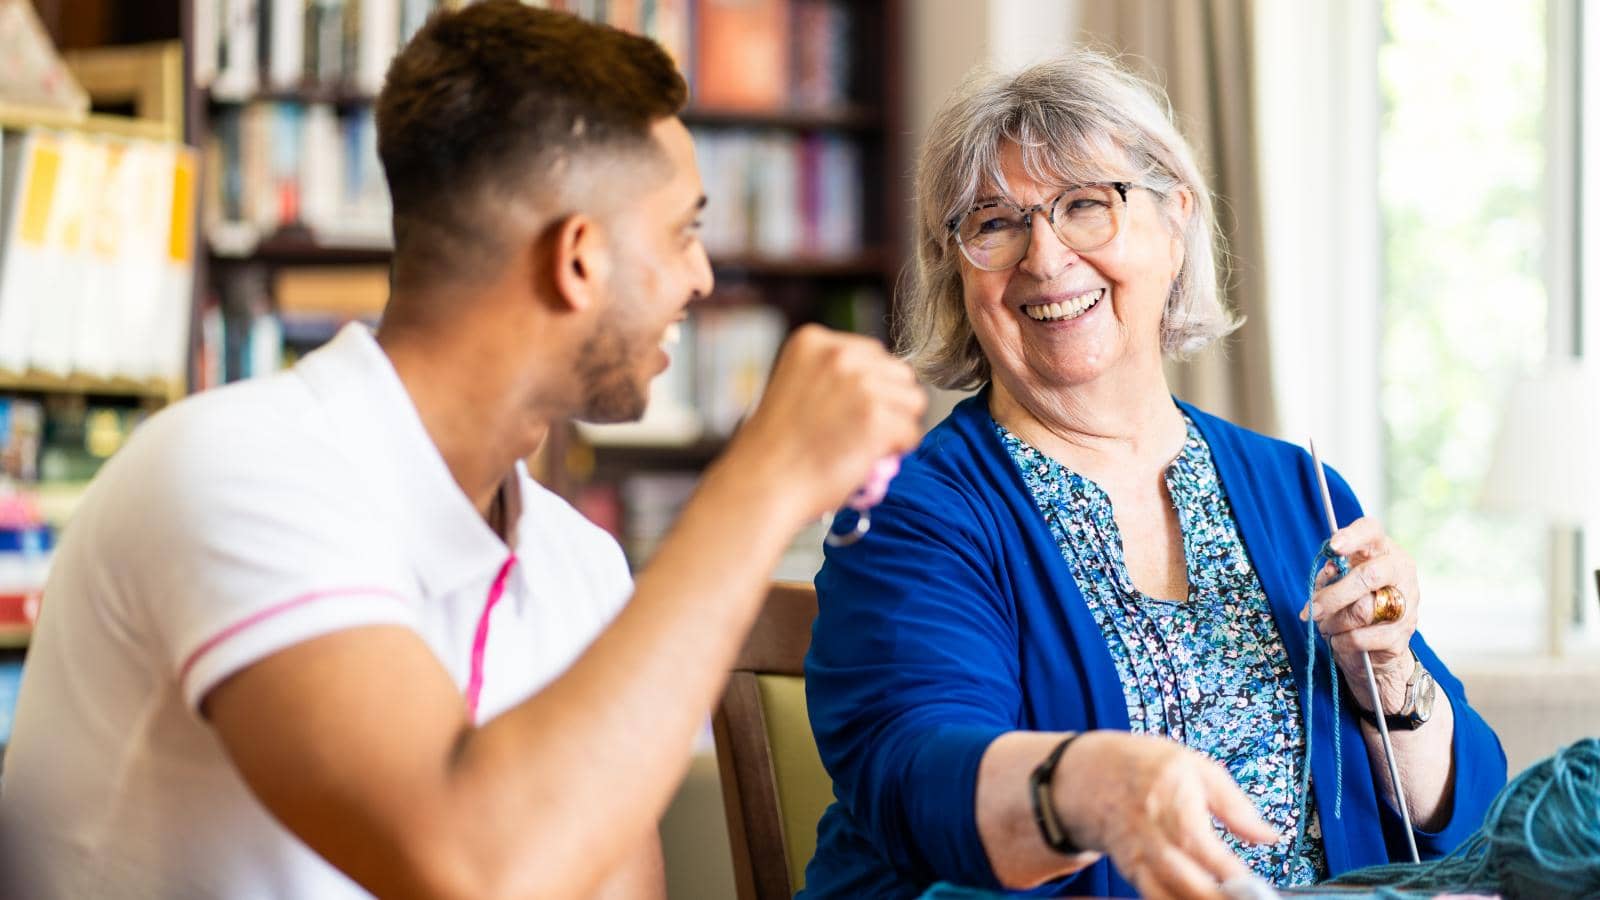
{"type": "Point", "coordinates": [1418, 708]}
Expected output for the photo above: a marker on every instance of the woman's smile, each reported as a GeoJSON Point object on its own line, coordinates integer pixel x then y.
{"type": "Point", "coordinates": [1055, 309]}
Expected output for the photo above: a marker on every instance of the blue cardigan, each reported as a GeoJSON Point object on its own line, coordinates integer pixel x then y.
{"type": "Point", "coordinates": [957, 620]}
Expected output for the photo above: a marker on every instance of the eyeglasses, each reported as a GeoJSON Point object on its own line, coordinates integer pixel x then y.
{"type": "Point", "coordinates": [995, 234]}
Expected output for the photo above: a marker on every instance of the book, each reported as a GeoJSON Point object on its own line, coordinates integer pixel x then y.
{"type": "Point", "coordinates": [283, 22]}
{"type": "Point", "coordinates": [735, 348]}
{"type": "Point", "coordinates": [352, 292]}
{"type": "Point", "coordinates": [10, 687]}
{"type": "Point", "coordinates": [167, 335]}
{"type": "Point", "coordinates": [284, 166]}
{"type": "Point", "coordinates": [377, 41]}
{"type": "Point", "coordinates": [781, 194]}
{"type": "Point", "coordinates": [651, 502]}
{"type": "Point", "coordinates": [95, 257]}
{"type": "Point", "coordinates": [822, 39]}
{"type": "Point", "coordinates": [33, 163]}
{"type": "Point", "coordinates": [238, 69]}
{"type": "Point", "coordinates": [741, 55]}
{"type": "Point", "coordinates": [21, 435]}
{"type": "Point", "coordinates": [123, 272]}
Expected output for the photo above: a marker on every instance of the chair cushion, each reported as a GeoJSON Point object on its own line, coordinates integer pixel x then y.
{"type": "Point", "coordinates": [804, 788]}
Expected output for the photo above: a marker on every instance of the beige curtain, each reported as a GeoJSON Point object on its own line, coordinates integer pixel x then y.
{"type": "Point", "coordinates": [1200, 50]}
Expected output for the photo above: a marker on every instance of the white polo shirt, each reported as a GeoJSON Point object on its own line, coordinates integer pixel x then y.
{"type": "Point", "coordinates": [235, 524]}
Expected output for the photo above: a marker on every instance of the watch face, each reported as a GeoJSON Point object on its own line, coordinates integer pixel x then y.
{"type": "Point", "coordinates": [1426, 689]}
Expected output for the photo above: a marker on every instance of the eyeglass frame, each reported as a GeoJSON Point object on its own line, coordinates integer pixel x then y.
{"type": "Point", "coordinates": [953, 225]}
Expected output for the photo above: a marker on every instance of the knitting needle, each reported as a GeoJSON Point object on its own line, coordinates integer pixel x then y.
{"type": "Point", "coordinates": [1372, 680]}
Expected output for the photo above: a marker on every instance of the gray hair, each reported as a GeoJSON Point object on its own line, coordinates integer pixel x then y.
{"type": "Point", "coordinates": [1068, 115]}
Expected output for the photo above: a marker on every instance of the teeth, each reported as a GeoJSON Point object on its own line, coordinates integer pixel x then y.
{"type": "Point", "coordinates": [1070, 308]}
{"type": "Point", "coordinates": [670, 337]}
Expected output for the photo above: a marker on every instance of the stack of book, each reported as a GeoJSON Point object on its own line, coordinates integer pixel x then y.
{"type": "Point", "coordinates": [246, 47]}
{"type": "Point", "coordinates": [285, 166]}
{"type": "Point", "coordinates": [756, 56]}
{"type": "Point", "coordinates": [96, 255]}
{"type": "Point", "coordinates": [266, 319]}
{"type": "Point", "coordinates": [780, 194]}
{"type": "Point", "coordinates": [651, 502]}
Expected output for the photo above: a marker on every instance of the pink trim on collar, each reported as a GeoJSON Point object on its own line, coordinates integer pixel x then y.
{"type": "Point", "coordinates": [480, 639]}
{"type": "Point", "coordinates": [260, 616]}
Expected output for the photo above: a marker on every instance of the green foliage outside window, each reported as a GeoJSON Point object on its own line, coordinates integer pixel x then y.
{"type": "Point", "coordinates": [1461, 180]}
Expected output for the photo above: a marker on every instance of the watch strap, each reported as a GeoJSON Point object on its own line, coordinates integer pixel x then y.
{"type": "Point", "coordinates": [1045, 816]}
{"type": "Point", "coordinates": [1406, 719]}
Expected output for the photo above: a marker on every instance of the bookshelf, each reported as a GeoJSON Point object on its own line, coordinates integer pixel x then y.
{"type": "Point", "coordinates": [796, 110]}
{"type": "Point", "coordinates": [96, 250]}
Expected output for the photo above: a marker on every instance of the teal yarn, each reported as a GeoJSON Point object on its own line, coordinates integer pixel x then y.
{"type": "Point", "coordinates": [1324, 556]}
{"type": "Point", "coordinates": [1540, 839]}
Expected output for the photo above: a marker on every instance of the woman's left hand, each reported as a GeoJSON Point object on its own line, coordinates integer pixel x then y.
{"type": "Point", "coordinates": [1344, 609]}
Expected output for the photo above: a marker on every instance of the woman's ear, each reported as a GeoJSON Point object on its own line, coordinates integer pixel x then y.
{"type": "Point", "coordinates": [1180, 206]}
{"type": "Point", "coordinates": [580, 262]}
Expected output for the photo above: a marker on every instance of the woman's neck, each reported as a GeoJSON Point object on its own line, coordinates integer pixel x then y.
{"type": "Point", "coordinates": [1109, 427]}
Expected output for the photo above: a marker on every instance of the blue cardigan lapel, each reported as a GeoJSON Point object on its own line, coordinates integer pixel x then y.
{"type": "Point", "coordinates": [1050, 574]}
{"type": "Point", "coordinates": [1278, 511]}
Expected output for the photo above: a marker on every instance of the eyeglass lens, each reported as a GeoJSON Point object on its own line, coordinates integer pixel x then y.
{"type": "Point", "coordinates": [995, 236]}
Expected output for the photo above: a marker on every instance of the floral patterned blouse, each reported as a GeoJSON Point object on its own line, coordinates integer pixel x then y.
{"type": "Point", "coordinates": [1211, 672]}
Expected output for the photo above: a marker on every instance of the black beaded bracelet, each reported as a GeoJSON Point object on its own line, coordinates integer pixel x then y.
{"type": "Point", "coordinates": [1044, 809]}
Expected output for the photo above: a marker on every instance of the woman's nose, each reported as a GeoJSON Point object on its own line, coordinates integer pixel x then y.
{"type": "Point", "coordinates": [1047, 256]}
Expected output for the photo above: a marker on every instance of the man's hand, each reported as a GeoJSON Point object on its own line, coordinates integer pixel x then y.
{"type": "Point", "coordinates": [834, 405]}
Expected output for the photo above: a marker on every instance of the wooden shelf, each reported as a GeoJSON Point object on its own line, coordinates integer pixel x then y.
{"type": "Point", "coordinates": [868, 264]}
{"type": "Point", "coordinates": [16, 116]}
{"type": "Point", "coordinates": [849, 118]}
{"type": "Point", "coordinates": [846, 118]}
{"type": "Point", "coordinates": [44, 383]}
{"type": "Point", "coordinates": [610, 458]}
{"type": "Point", "coordinates": [336, 95]}
{"type": "Point", "coordinates": [303, 248]}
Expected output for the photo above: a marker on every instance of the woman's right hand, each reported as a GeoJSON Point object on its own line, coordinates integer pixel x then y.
{"type": "Point", "coordinates": [1148, 803]}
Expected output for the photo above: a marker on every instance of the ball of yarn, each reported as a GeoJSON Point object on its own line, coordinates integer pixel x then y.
{"type": "Point", "coordinates": [1540, 839]}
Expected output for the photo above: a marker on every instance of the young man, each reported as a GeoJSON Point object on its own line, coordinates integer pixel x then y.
{"type": "Point", "coordinates": [321, 633]}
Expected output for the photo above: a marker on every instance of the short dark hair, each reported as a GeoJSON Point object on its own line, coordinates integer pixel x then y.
{"type": "Point", "coordinates": [488, 99]}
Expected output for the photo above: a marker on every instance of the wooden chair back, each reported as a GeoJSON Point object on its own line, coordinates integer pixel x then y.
{"type": "Point", "coordinates": [774, 787]}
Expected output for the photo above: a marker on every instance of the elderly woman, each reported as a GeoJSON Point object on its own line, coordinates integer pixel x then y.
{"type": "Point", "coordinates": [1070, 655]}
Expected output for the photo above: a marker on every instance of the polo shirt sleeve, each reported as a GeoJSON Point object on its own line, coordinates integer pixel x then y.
{"type": "Point", "coordinates": [911, 674]}
{"type": "Point", "coordinates": [245, 543]}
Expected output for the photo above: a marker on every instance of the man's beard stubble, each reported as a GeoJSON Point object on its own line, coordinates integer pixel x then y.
{"type": "Point", "coordinates": [606, 371]}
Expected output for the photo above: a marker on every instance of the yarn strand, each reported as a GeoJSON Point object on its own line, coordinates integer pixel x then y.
{"type": "Point", "coordinates": [1540, 839]}
{"type": "Point", "coordinates": [1324, 556]}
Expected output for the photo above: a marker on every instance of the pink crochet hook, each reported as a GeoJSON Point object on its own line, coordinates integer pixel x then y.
{"type": "Point", "coordinates": [870, 494]}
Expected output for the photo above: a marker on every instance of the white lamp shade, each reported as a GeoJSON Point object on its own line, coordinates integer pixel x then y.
{"type": "Point", "coordinates": [1546, 454]}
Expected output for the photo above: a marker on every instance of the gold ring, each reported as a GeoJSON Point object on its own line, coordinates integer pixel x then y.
{"type": "Point", "coordinates": [1388, 605]}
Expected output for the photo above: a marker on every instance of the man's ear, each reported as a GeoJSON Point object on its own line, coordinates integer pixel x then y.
{"type": "Point", "coordinates": [580, 258]}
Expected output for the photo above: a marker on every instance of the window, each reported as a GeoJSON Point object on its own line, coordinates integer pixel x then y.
{"type": "Point", "coordinates": [1463, 170]}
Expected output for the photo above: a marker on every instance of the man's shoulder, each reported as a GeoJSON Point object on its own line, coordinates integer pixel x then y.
{"type": "Point", "coordinates": [268, 438]}
{"type": "Point", "coordinates": [266, 414]}
{"type": "Point", "coordinates": [565, 530]}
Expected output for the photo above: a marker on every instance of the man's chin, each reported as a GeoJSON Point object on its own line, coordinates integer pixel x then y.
{"type": "Point", "coordinates": [613, 410]}
{"type": "Point", "coordinates": [602, 419]}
